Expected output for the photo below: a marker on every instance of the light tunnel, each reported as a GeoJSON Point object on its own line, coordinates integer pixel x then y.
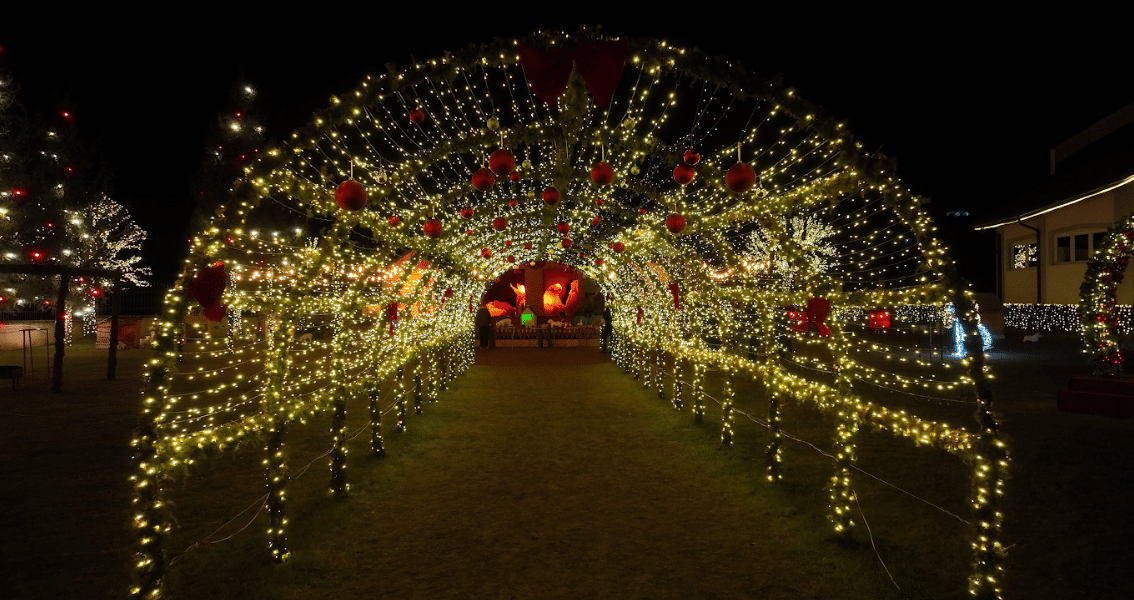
{"type": "Point", "coordinates": [725, 221]}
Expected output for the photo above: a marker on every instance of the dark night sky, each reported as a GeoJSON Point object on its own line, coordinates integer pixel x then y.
{"type": "Point", "coordinates": [969, 103]}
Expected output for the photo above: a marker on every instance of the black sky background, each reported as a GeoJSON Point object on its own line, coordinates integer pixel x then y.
{"type": "Point", "coordinates": [969, 102]}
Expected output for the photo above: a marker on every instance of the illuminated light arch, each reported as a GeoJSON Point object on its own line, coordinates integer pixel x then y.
{"type": "Point", "coordinates": [1098, 299]}
{"type": "Point", "coordinates": [367, 292]}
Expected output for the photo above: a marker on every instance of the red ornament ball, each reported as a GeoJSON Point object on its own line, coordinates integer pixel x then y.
{"type": "Point", "coordinates": [507, 243]}
{"type": "Point", "coordinates": [683, 173]}
{"type": "Point", "coordinates": [642, 210]}
{"type": "Point", "coordinates": [468, 232]}
{"type": "Point", "coordinates": [485, 252]}
{"type": "Point", "coordinates": [500, 224]}
{"type": "Point", "coordinates": [417, 116]}
{"type": "Point", "coordinates": [528, 246]}
{"type": "Point", "coordinates": [740, 178]}
{"type": "Point", "coordinates": [602, 173]}
{"type": "Point", "coordinates": [394, 221]}
{"type": "Point", "coordinates": [513, 203]}
{"type": "Point", "coordinates": [618, 247]}
{"type": "Point", "coordinates": [690, 157]}
{"type": "Point", "coordinates": [595, 221]}
{"type": "Point", "coordinates": [483, 179]}
{"type": "Point", "coordinates": [514, 176]}
{"type": "Point", "coordinates": [432, 229]}
{"type": "Point", "coordinates": [350, 195]}
{"type": "Point", "coordinates": [675, 223]}
{"type": "Point", "coordinates": [550, 196]}
{"type": "Point", "coordinates": [511, 258]}
{"type": "Point", "coordinates": [467, 212]}
{"type": "Point", "coordinates": [599, 262]}
{"type": "Point", "coordinates": [502, 162]}
{"type": "Point", "coordinates": [563, 227]}
{"type": "Point", "coordinates": [565, 242]}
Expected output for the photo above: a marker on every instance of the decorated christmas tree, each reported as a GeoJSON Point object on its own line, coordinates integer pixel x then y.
{"type": "Point", "coordinates": [54, 210]}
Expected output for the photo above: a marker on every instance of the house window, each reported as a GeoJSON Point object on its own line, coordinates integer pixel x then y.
{"type": "Point", "coordinates": [1024, 256]}
{"type": "Point", "coordinates": [1078, 247]}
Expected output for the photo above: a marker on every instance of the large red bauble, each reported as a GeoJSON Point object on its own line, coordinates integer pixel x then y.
{"type": "Point", "coordinates": [432, 229]}
{"type": "Point", "coordinates": [483, 179]}
{"type": "Point", "coordinates": [618, 247]}
{"type": "Point", "coordinates": [417, 116]}
{"type": "Point", "coordinates": [563, 227]}
{"type": "Point", "coordinates": [467, 212]}
{"type": "Point", "coordinates": [740, 178]}
{"type": "Point", "coordinates": [511, 258]}
{"type": "Point", "coordinates": [683, 173]}
{"type": "Point", "coordinates": [500, 224]}
{"type": "Point", "coordinates": [675, 223]}
{"type": "Point", "coordinates": [602, 173]}
{"type": "Point", "coordinates": [394, 221]}
{"type": "Point", "coordinates": [350, 195]}
{"type": "Point", "coordinates": [690, 157]}
{"type": "Point", "coordinates": [502, 162]}
{"type": "Point", "coordinates": [550, 196]}
{"type": "Point", "coordinates": [566, 243]}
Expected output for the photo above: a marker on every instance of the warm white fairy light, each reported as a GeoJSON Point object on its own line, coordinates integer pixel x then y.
{"type": "Point", "coordinates": [373, 302]}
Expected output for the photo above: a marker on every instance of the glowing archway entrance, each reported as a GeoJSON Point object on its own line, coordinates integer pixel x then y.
{"type": "Point", "coordinates": [720, 213]}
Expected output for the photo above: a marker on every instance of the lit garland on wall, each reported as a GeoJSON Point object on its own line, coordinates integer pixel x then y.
{"type": "Point", "coordinates": [1101, 318]}
{"type": "Point", "coordinates": [354, 312]}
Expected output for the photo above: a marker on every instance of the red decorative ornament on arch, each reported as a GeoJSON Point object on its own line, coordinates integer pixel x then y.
{"type": "Point", "coordinates": [740, 178]}
{"type": "Point", "coordinates": [675, 223]}
{"type": "Point", "coordinates": [550, 196]}
{"type": "Point", "coordinates": [432, 229]}
{"type": "Point", "coordinates": [683, 173]}
{"type": "Point", "coordinates": [602, 173]}
{"type": "Point", "coordinates": [483, 179]}
{"type": "Point", "coordinates": [502, 162]}
{"type": "Point", "coordinates": [350, 195]}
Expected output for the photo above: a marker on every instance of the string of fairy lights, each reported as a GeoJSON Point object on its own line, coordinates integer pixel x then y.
{"type": "Point", "coordinates": [730, 224]}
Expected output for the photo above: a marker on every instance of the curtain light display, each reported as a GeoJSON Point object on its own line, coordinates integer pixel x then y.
{"type": "Point", "coordinates": [466, 165]}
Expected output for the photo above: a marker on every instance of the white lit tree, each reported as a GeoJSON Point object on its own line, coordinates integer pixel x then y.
{"type": "Point", "coordinates": [764, 254]}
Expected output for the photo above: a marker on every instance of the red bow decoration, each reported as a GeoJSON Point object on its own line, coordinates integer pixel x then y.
{"type": "Point", "coordinates": [207, 288]}
{"type": "Point", "coordinates": [676, 291]}
{"type": "Point", "coordinates": [600, 64]}
{"type": "Point", "coordinates": [392, 315]}
{"type": "Point", "coordinates": [817, 310]}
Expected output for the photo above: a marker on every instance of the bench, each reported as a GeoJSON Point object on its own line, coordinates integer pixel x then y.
{"type": "Point", "coordinates": [13, 372]}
